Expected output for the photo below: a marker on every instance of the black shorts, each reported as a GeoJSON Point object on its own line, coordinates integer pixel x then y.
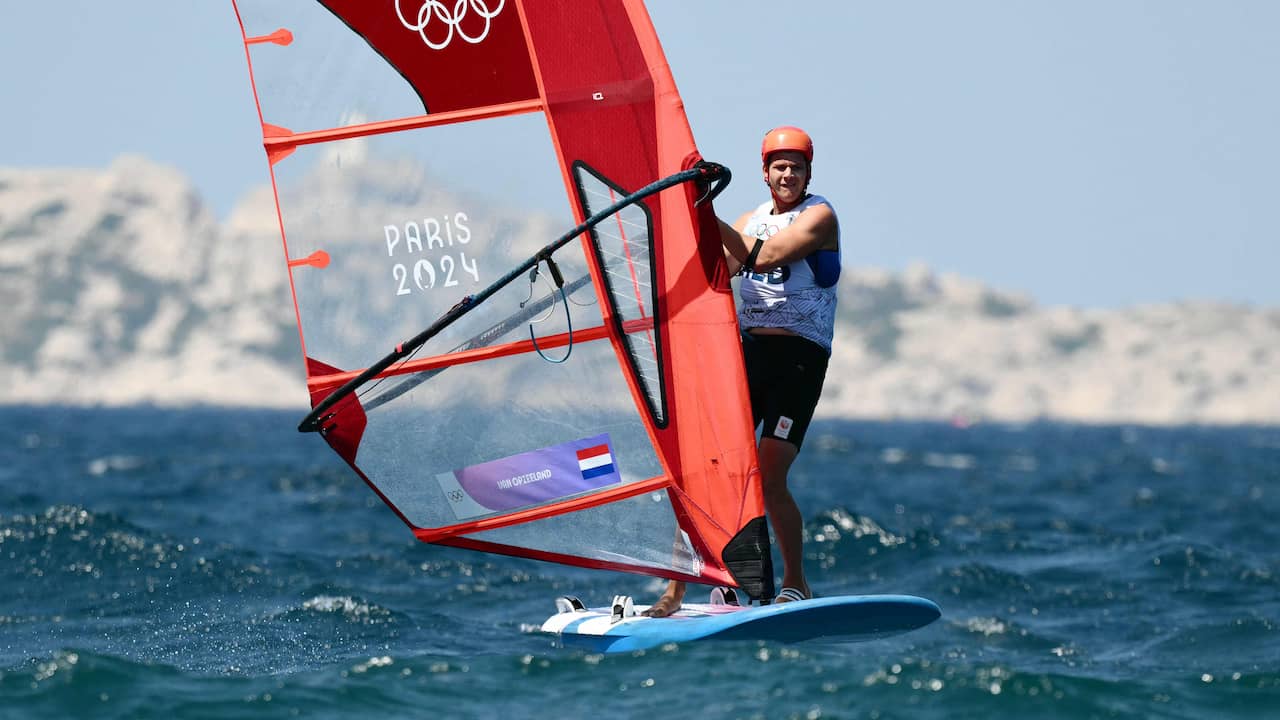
{"type": "Point", "coordinates": [784, 375]}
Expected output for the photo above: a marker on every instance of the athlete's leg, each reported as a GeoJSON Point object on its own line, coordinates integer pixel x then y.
{"type": "Point", "coordinates": [776, 457]}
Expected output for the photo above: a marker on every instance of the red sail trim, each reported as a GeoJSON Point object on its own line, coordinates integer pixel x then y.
{"type": "Point", "coordinates": [279, 141]}
{"type": "Point", "coordinates": [710, 574]}
{"type": "Point", "coordinates": [343, 435]}
{"type": "Point", "coordinates": [328, 382]}
{"type": "Point", "coordinates": [603, 497]}
{"type": "Point", "coordinates": [279, 37]}
{"type": "Point", "coordinates": [318, 259]}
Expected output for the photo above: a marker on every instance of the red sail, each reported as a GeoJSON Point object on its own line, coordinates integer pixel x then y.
{"type": "Point", "coordinates": [619, 439]}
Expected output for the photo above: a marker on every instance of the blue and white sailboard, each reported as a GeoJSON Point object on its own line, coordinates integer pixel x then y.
{"type": "Point", "coordinates": [844, 619]}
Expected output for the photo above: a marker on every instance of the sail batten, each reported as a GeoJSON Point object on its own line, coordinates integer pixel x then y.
{"type": "Point", "coordinates": [578, 400]}
{"type": "Point", "coordinates": [322, 383]}
{"type": "Point", "coordinates": [516, 518]}
{"type": "Point", "coordinates": [286, 139]}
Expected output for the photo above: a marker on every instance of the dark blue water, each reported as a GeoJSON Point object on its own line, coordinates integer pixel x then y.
{"type": "Point", "coordinates": [217, 564]}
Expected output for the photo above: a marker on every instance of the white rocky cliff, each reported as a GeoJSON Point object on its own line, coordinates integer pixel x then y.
{"type": "Point", "coordinates": [118, 286]}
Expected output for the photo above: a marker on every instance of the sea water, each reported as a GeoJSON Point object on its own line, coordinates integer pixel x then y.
{"type": "Point", "coordinates": [217, 564]}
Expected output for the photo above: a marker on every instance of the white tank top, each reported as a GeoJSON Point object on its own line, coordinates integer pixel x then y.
{"type": "Point", "coordinates": [787, 297]}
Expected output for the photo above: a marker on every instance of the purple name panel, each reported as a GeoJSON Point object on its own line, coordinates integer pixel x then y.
{"type": "Point", "coordinates": [531, 478]}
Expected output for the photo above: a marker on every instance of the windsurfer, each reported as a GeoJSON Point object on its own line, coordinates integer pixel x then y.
{"type": "Point", "coordinates": [788, 253]}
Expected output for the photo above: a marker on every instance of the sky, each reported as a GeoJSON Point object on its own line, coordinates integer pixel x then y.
{"type": "Point", "coordinates": [1096, 153]}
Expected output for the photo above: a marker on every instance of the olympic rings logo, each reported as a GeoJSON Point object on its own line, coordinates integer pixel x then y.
{"type": "Point", "coordinates": [435, 18]}
{"type": "Point", "coordinates": [765, 231]}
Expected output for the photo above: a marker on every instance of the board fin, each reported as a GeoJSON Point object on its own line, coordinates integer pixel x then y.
{"type": "Point", "coordinates": [748, 559]}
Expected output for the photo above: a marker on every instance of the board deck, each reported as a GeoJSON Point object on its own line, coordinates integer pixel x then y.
{"type": "Point", "coordinates": [845, 618]}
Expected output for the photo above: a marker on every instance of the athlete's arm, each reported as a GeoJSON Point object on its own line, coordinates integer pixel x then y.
{"type": "Point", "coordinates": [736, 245]}
{"type": "Point", "coordinates": [816, 228]}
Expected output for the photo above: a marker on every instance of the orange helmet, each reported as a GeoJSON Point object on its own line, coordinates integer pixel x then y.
{"type": "Point", "coordinates": [786, 138]}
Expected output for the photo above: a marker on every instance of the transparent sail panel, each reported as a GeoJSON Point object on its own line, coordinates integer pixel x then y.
{"type": "Point", "coordinates": [624, 247]}
{"type": "Point", "coordinates": [638, 531]}
{"type": "Point", "coordinates": [383, 240]}
{"type": "Point", "coordinates": [326, 76]}
{"type": "Point", "coordinates": [484, 438]}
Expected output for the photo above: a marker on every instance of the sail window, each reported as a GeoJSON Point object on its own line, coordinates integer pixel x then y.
{"type": "Point", "coordinates": [624, 248]}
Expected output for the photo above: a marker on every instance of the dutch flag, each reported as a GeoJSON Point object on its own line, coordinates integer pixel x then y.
{"type": "Point", "coordinates": [595, 461]}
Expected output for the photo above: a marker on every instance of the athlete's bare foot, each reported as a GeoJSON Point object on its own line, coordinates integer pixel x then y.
{"type": "Point", "coordinates": [668, 603]}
